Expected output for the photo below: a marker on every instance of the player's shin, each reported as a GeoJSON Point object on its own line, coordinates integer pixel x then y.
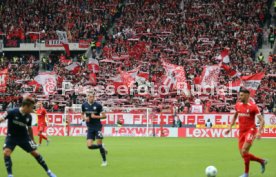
{"type": "Point", "coordinates": [8, 164]}
{"type": "Point", "coordinates": [94, 146]}
{"type": "Point", "coordinates": [103, 152]}
{"type": "Point", "coordinates": [40, 139]}
{"type": "Point", "coordinates": [42, 162]}
{"type": "Point", "coordinates": [246, 159]}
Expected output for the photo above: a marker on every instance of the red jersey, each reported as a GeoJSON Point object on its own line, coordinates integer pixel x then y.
{"type": "Point", "coordinates": [41, 116]}
{"type": "Point", "coordinates": [246, 115]}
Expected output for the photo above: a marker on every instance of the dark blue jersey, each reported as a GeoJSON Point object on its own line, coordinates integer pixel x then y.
{"type": "Point", "coordinates": [88, 110]}
{"type": "Point", "coordinates": [18, 123]}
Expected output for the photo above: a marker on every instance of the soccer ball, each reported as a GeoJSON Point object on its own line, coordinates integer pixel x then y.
{"type": "Point", "coordinates": [211, 171]}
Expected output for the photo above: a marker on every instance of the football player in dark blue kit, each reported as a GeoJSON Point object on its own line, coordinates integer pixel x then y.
{"type": "Point", "coordinates": [20, 134]}
{"type": "Point", "coordinates": [92, 113]}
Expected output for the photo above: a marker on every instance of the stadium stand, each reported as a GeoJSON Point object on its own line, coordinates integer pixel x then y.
{"type": "Point", "coordinates": [127, 35]}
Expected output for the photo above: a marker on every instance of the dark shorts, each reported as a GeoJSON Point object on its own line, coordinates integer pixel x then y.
{"type": "Point", "coordinates": [25, 143]}
{"type": "Point", "coordinates": [93, 134]}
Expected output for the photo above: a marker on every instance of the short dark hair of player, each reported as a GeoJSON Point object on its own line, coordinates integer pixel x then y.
{"type": "Point", "coordinates": [244, 91]}
{"type": "Point", "coordinates": [28, 102]}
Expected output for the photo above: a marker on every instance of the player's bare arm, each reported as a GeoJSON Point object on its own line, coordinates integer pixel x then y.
{"type": "Point", "coordinates": [233, 122]}
{"type": "Point", "coordinates": [261, 128]}
{"type": "Point", "coordinates": [2, 117]}
{"type": "Point", "coordinates": [47, 119]}
{"type": "Point", "coordinates": [2, 120]}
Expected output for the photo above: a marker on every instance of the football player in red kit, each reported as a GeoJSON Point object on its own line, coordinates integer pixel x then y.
{"type": "Point", "coordinates": [41, 122]}
{"type": "Point", "coordinates": [246, 112]}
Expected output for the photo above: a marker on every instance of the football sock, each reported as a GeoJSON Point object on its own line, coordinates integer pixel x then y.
{"type": "Point", "coordinates": [41, 161]}
{"type": "Point", "coordinates": [40, 139]}
{"type": "Point", "coordinates": [42, 136]}
{"type": "Point", "coordinates": [256, 159]}
{"type": "Point", "coordinates": [8, 163]}
{"type": "Point", "coordinates": [94, 146]}
{"type": "Point", "coordinates": [246, 158]}
{"type": "Point", "coordinates": [102, 151]}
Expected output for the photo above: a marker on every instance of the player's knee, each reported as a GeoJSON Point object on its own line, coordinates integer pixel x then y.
{"type": "Point", "coordinates": [244, 151]}
{"type": "Point", "coordinates": [89, 144]}
{"type": "Point", "coordinates": [35, 154]}
{"type": "Point", "coordinates": [7, 152]}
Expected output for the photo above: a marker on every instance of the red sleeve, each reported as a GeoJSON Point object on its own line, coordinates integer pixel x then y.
{"type": "Point", "coordinates": [257, 110]}
{"type": "Point", "coordinates": [44, 112]}
{"type": "Point", "coordinates": [236, 107]}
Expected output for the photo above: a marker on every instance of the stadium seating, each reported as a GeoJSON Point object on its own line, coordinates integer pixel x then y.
{"type": "Point", "coordinates": [145, 31]}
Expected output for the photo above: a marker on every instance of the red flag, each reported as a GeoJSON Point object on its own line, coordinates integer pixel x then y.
{"type": "Point", "coordinates": [168, 81]}
{"type": "Point", "coordinates": [93, 65]}
{"type": "Point", "coordinates": [74, 67]}
{"type": "Point", "coordinates": [3, 80]}
{"type": "Point", "coordinates": [127, 78]}
{"type": "Point", "coordinates": [252, 82]}
{"type": "Point", "coordinates": [231, 72]}
{"type": "Point", "coordinates": [174, 74]}
{"type": "Point", "coordinates": [224, 56]}
{"type": "Point", "coordinates": [93, 78]}
{"type": "Point", "coordinates": [117, 82]}
{"type": "Point", "coordinates": [63, 60]}
{"type": "Point", "coordinates": [66, 47]}
{"type": "Point", "coordinates": [234, 85]}
{"type": "Point", "coordinates": [34, 84]}
{"type": "Point", "coordinates": [144, 75]}
{"type": "Point", "coordinates": [48, 81]}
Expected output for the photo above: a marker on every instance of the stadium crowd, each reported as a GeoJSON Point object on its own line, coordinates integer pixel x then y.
{"type": "Point", "coordinates": [186, 33]}
{"type": "Point", "coordinates": [81, 19]}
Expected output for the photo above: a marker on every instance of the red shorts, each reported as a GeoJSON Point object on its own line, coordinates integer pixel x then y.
{"type": "Point", "coordinates": [41, 127]}
{"type": "Point", "coordinates": [247, 137]}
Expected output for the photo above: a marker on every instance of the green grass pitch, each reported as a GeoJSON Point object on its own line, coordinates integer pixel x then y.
{"type": "Point", "coordinates": [142, 157]}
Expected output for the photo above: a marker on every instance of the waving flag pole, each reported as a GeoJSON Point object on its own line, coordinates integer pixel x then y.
{"type": "Point", "coordinates": [62, 37]}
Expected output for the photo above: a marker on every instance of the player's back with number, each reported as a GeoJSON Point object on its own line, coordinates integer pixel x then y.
{"type": "Point", "coordinates": [17, 123]}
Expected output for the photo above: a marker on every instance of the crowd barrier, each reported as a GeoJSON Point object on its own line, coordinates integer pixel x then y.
{"type": "Point", "coordinates": [157, 125]}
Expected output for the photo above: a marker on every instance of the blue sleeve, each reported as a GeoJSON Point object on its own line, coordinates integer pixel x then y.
{"type": "Point", "coordinates": [29, 123]}
{"type": "Point", "coordinates": [100, 108]}
{"type": "Point", "coordinates": [82, 108]}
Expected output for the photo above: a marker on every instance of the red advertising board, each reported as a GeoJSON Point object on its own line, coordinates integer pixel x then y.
{"type": "Point", "coordinates": [143, 131]}
{"type": "Point", "coordinates": [218, 133]}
